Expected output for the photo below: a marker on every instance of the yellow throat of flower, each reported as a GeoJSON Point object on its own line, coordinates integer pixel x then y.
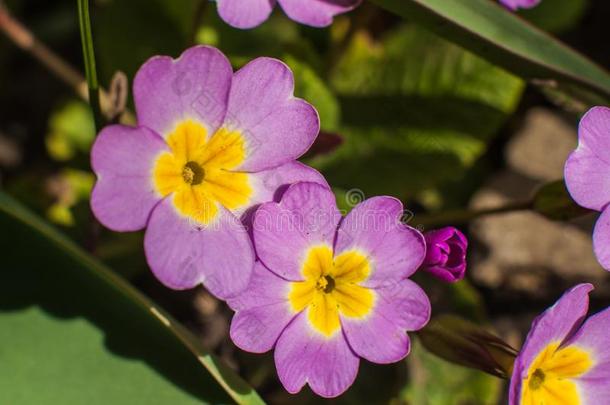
{"type": "Point", "coordinates": [550, 379]}
{"type": "Point", "coordinates": [197, 170]}
{"type": "Point", "coordinates": [331, 288]}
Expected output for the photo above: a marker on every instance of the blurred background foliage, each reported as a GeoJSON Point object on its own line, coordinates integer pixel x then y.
{"type": "Point", "coordinates": [404, 112]}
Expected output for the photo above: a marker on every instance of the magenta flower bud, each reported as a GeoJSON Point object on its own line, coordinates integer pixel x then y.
{"type": "Point", "coordinates": [446, 254]}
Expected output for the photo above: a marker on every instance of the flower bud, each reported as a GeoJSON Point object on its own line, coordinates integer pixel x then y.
{"type": "Point", "coordinates": [446, 254]}
{"type": "Point", "coordinates": [462, 342]}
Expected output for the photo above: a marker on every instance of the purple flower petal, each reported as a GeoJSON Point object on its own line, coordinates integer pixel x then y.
{"type": "Point", "coordinates": [395, 250]}
{"type": "Point", "coordinates": [516, 4]}
{"type": "Point", "coordinates": [593, 338]}
{"type": "Point", "coordinates": [123, 159]}
{"type": "Point", "coordinates": [601, 239]}
{"type": "Point", "coordinates": [587, 170]}
{"type": "Point", "coordinates": [306, 216]}
{"type": "Point", "coordinates": [382, 336]}
{"type": "Point", "coordinates": [262, 311]}
{"type": "Point", "coordinates": [245, 13]}
{"type": "Point", "coordinates": [316, 13]}
{"type": "Point", "coordinates": [303, 355]}
{"type": "Point", "coordinates": [558, 323]}
{"type": "Point", "coordinates": [277, 127]}
{"type": "Point", "coordinates": [194, 86]}
{"type": "Point", "coordinates": [270, 185]}
{"type": "Point", "coordinates": [182, 254]}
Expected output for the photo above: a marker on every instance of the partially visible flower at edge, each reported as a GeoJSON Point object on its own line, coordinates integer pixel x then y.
{"type": "Point", "coordinates": [517, 4]}
{"type": "Point", "coordinates": [446, 254]}
{"type": "Point", "coordinates": [251, 13]}
{"type": "Point", "coordinates": [564, 356]}
{"type": "Point", "coordinates": [587, 176]}
{"type": "Point", "coordinates": [210, 146]}
{"type": "Point", "coordinates": [328, 291]}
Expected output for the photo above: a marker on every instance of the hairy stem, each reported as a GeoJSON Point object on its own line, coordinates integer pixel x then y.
{"type": "Point", "coordinates": [458, 217]}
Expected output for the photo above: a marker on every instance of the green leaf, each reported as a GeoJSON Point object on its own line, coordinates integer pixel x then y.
{"type": "Point", "coordinates": [416, 111]}
{"type": "Point", "coordinates": [74, 332]}
{"type": "Point", "coordinates": [309, 86]}
{"type": "Point", "coordinates": [434, 381]}
{"type": "Point", "coordinates": [486, 28]}
{"type": "Point", "coordinates": [556, 15]}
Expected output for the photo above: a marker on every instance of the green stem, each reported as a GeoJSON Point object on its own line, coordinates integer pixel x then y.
{"type": "Point", "coordinates": [89, 59]}
{"type": "Point", "coordinates": [460, 217]}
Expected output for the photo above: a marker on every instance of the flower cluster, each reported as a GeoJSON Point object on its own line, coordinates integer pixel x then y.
{"type": "Point", "coordinates": [210, 145]}
{"type": "Point", "coordinates": [210, 172]}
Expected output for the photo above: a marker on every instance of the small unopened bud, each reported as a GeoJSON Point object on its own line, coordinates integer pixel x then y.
{"type": "Point", "coordinates": [446, 254]}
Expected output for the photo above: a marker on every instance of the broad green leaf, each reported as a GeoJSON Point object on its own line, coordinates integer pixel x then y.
{"type": "Point", "coordinates": [416, 111]}
{"type": "Point", "coordinates": [556, 15]}
{"type": "Point", "coordinates": [486, 28]}
{"type": "Point", "coordinates": [74, 332]}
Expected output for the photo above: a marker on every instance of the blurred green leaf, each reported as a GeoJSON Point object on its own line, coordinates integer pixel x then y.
{"type": "Point", "coordinates": [71, 130]}
{"type": "Point", "coordinates": [74, 332]}
{"type": "Point", "coordinates": [416, 111]}
{"type": "Point", "coordinates": [488, 29]}
{"type": "Point", "coordinates": [155, 27]}
{"type": "Point", "coordinates": [68, 188]}
{"type": "Point", "coordinates": [433, 381]}
{"type": "Point", "coordinates": [309, 86]}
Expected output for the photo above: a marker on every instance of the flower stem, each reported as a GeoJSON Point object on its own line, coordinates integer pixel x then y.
{"type": "Point", "coordinates": [458, 217]}
{"type": "Point", "coordinates": [89, 59]}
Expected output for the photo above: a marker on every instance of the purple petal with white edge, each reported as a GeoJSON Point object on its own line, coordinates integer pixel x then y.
{"type": "Point", "coordinates": [262, 311]}
{"type": "Point", "coordinates": [123, 159]}
{"type": "Point", "coordinates": [558, 323]}
{"type": "Point", "coordinates": [277, 126]}
{"type": "Point", "coordinates": [587, 170]}
{"type": "Point", "coordinates": [182, 254]}
{"type": "Point", "coordinates": [593, 338]}
{"type": "Point", "coordinates": [303, 355]}
{"type": "Point", "coordinates": [374, 227]}
{"type": "Point", "coordinates": [382, 336]}
{"type": "Point", "coordinates": [306, 216]}
{"type": "Point", "coordinates": [270, 185]}
{"type": "Point", "coordinates": [601, 239]}
{"type": "Point", "coordinates": [317, 13]}
{"type": "Point", "coordinates": [245, 14]}
{"type": "Point", "coordinates": [195, 86]}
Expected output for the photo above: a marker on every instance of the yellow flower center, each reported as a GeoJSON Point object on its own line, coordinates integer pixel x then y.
{"type": "Point", "coordinates": [550, 379]}
{"type": "Point", "coordinates": [331, 288]}
{"type": "Point", "coordinates": [197, 170]}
